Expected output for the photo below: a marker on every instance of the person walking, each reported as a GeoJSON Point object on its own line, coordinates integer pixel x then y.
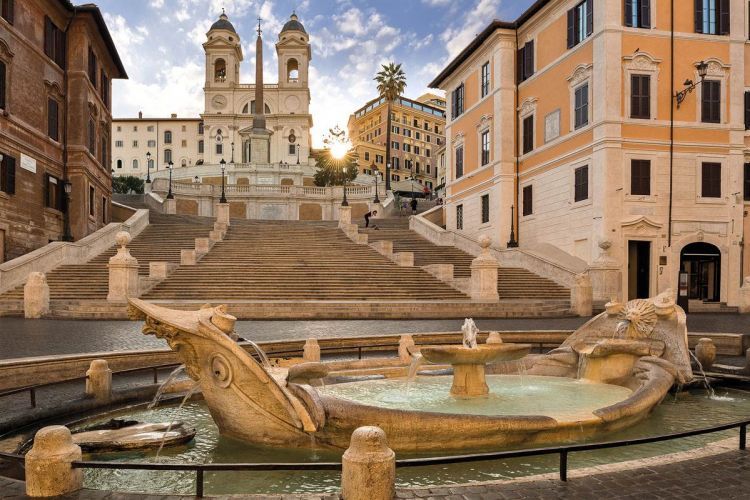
{"type": "Point", "coordinates": [414, 206]}
{"type": "Point", "coordinates": [374, 213]}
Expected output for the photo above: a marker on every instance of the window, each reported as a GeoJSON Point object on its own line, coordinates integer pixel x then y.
{"type": "Point", "coordinates": [7, 10]}
{"type": "Point", "coordinates": [220, 71]}
{"type": "Point", "coordinates": [747, 110]}
{"type": "Point", "coordinates": [8, 174]}
{"type": "Point", "coordinates": [119, 163]}
{"type": "Point", "coordinates": [184, 143]}
{"type": "Point", "coordinates": [525, 62]}
{"type": "Point", "coordinates": [407, 132]}
{"type": "Point", "coordinates": [119, 144]}
{"type": "Point", "coordinates": [150, 128]}
{"type": "Point", "coordinates": [581, 175]}
{"type": "Point", "coordinates": [105, 89]}
{"type": "Point", "coordinates": [427, 153]}
{"type": "Point", "coordinates": [711, 180]}
{"type": "Point", "coordinates": [395, 130]}
{"type": "Point", "coordinates": [746, 182]}
{"type": "Point", "coordinates": [485, 147]}
{"type": "Point", "coordinates": [378, 158]}
{"type": "Point", "coordinates": [92, 197]}
{"type": "Point", "coordinates": [407, 148]}
{"type": "Point", "coordinates": [712, 17]}
{"type": "Point", "coordinates": [580, 22]}
{"type": "Point", "coordinates": [416, 150]}
{"type": "Point", "coordinates": [293, 151]}
{"type": "Point", "coordinates": [135, 128]}
{"type": "Point", "coordinates": [459, 217]}
{"type": "Point", "coordinates": [485, 208]}
{"type": "Point", "coordinates": [92, 137]}
{"type": "Point", "coordinates": [219, 149]}
{"type": "Point", "coordinates": [459, 162]}
{"type": "Point", "coordinates": [457, 102]}
{"type": "Point", "coordinates": [135, 164]}
{"type": "Point", "coordinates": [638, 13]}
{"type": "Point", "coordinates": [640, 177]}
{"type": "Point", "coordinates": [528, 202]}
{"type": "Point", "coordinates": [92, 67]}
{"type": "Point", "coordinates": [417, 136]}
{"type": "Point", "coordinates": [396, 163]}
{"type": "Point", "coordinates": [640, 96]}
{"type": "Point", "coordinates": [53, 120]}
{"type": "Point", "coordinates": [152, 143]}
{"type": "Point", "coordinates": [135, 144]}
{"type": "Point", "coordinates": [104, 209]}
{"type": "Point", "coordinates": [167, 155]}
{"type": "Point", "coordinates": [711, 101]}
{"type": "Point", "coordinates": [103, 150]}
{"type": "Point", "coordinates": [184, 128]}
{"type": "Point", "coordinates": [167, 137]}
{"type": "Point", "coordinates": [485, 82]}
{"type": "Point", "coordinates": [528, 134]}
{"type": "Point", "coordinates": [201, 147]}
{"type": "Point", "coordinates": [53, 192]}
{"type": "Point", "coordinates": [54, 42]}
{"type": "Point", "coordinates": [394, 145]}
{"type": "Point", "coordinates": [201, 127]}
{"type": "Point", "coordinates": [582, 106]}
{"type": "Point", "coordinates": [3, 85]}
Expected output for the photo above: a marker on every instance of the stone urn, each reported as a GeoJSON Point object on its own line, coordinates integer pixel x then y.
{"type": "Point", "coordinates": [705, 353]}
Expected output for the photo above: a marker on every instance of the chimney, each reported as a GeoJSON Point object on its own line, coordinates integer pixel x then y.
{"type": "Point", "coordinates": [140, 115]}
{"type": "Point", "coordinates": [174, 115]}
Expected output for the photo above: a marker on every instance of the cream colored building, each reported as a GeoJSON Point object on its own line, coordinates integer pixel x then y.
{"type": "Point", "coordinates": [179, 140]}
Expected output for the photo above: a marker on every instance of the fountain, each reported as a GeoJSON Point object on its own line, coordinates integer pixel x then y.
{"type": "Point", "coordinates": [469, 361]}
{"type": "Point", "coordinates": [608, 375]}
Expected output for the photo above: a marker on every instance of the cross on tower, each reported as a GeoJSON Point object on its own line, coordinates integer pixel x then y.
{"type": "Point", "coordinates": [259, 30]}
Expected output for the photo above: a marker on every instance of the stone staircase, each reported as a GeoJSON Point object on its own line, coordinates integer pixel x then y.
{"type": "Point", "coordinates": [297, 261]}
{"type": "Point", "coordinates": [513, 283]}
{"type": "Point", "coordinates": [162, 240]}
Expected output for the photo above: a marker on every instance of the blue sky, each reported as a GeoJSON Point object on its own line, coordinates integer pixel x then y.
{"type": "Point", "coordinates": [160, 44]}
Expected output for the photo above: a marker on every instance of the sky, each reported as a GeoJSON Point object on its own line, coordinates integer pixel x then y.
{"type": "Point", "coordinates": [160, 44]}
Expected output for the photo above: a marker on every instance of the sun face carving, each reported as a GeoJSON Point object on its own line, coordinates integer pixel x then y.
{"type": "Point", "coordinates": [637, 320]}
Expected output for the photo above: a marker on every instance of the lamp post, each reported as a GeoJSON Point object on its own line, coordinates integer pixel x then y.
{"type": "Point", "coordinates": [170, 166]}
{"type": "Point", "coordinates": [376, 173]}
{"type": "Point", "coordinates": [196, 179]}
{"type": "Point", "coordinates": [298, 148]}
{"type": "Point", "coordinates": [68, 188]}
{"type": "Point", "coordinates": [412, 187]}
{"type": "Point", "coordinates": [223, 194]}
{"type": "Point", "coordinates": [232, 160]}
{"type": "Point", "coordinates": [148, 167]}
{"type": "Point", "coordinates": [512, 243]}
{"type": "Point", "coordinates": [344, 203]}
{"type": "Point", "coordinates": [680, 96]}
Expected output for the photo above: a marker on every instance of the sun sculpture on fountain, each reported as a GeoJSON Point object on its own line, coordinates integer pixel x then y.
{"type": "Point", "coordinates": [638, 318]}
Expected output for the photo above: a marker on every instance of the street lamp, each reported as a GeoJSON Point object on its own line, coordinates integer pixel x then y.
{"type": "Point", "coordinates": [512, 243]}
{"type": "Point", "coordinates": [223, 194]}
{"type": "Point", "coordinates": [170, 166]}
{"type": "Point", "coordinates": [344, 203]}
{"type": "Point", "coordinates": [148, 167]}
{"type": "Point", "coordinates": [702, 68]}
{"type": "Point", "coordinates": [376, 173]}
{"type": "Point", "coordinates": [68, 188]}
{"type": "Point", "coordinates": [298, 148]}
{"type": "Point", "coordinates": [232, 161]}
{"type": "Point", "coordinates": [196, 179]}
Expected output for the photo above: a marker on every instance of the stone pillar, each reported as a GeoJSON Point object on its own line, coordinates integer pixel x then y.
{"type": "Point", "coordinates": [311, 351]}
{"type": "Point", "coordinates": [202, 245]}
{"type": "Point", "coordinates": [188, 258]}
{"type": "Point", "coordinates": [222, 213]}
{"type": "Point", "coordinates": [36, 296]}
{"type": "Point", "coordinates": [368, 466]}
{"type": "Point", "coordinates": [744, 307]}
{"type": "Point", "coordinates": [48, 464]}
{"type": "Point", "coordinates": [405, 343]}
{"type": "Point", "coordinates": [99, 381]}
{"type": "Point", "coordinates": [345, 216]}
{"type": "Point", "coordinates": [484, 274]}
{"type": "Point", "coordinates": [123, 271]}
{"type": "Point", "coordinates": [582, 296]}
{"type": "Point", "coordinates": [170, 206]}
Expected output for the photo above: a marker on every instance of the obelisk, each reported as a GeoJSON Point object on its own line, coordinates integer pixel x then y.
{"type": "Point", "coordinates": [260, 138]}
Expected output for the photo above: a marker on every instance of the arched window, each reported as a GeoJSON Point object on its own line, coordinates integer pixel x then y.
{"type": "Point", "coordinates": [135, 163]}
{"type": "Point", "coordinates": [167, 137]}
{"type": "Point", "coordinates": [201, 127]}
{"type": "Point", "coordinates": [183, 162]}
{"type": "Point", "coordinates": [220, 70]}
{"type": "Point", "coordinates": [119, 163]}
{"type": "Point", "coordinates": [200, 147]}
{"type": "Point", "coordinates": [167, 155]}
{"type": "Point", "coordinates": [292, 71]}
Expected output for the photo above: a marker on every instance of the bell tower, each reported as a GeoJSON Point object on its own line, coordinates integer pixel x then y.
{"type": "Point", "coordinates": [223, 54]}
{"type": "Point", "coordinates": [294, 54]}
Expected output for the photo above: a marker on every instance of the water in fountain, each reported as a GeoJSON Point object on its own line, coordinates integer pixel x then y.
{"type": "Point", "coordinates": [163, 387]}
{"type": "Point", "coordinates": [470, 331]}
{"type": "Point", "coordinates": [261, 355]}
{"type": "Point", "coordinates": [709, 389]}
{"type": "Point", "coordinates": [188, 394]}
{"type": "Point", "coordinates": [416, 362]}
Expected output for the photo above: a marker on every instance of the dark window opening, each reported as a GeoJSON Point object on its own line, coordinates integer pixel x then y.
{"type": "Point", "coordinates": [640, 96]}
{"type": "Point", "coordinates": [485, 208]}
{"type": "Point", "coordinates": [638, 13]}
{"type": "Point", "coordinates": [711, 101]}
{"type": "Point", "coordinates": [528, 201]}
{"type": "Point", "coordinates": [640, 177]}
{"type": "Point", "coordinates": [528, 134]}
{"type": "Point", "coordinates": [711, 180]}
{"type": "Point", "coordinates": [581, 183]}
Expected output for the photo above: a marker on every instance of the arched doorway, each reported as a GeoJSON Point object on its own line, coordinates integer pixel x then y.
{"type": "Point", "coordinates": [702, 263]}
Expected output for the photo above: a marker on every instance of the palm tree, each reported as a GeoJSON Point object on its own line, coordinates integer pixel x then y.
{"type": "Point", "coordinates": [391, 84]}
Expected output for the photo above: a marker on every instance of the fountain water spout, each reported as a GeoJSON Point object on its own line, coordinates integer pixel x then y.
{"type": "Point", "coordinates": [470, 331]}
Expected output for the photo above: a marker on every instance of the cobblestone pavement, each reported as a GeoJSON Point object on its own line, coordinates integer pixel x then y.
{"type": "Point", "coordinates": [22, 338]}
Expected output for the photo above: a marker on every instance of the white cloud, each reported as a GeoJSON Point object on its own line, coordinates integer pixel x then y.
{"type": "Point", "coordinates": [474, 21]}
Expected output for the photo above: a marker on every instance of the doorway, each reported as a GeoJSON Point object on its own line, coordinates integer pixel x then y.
{"type": "Point", "coordinates": [639, 269]}
{"type": "Point", "coordinates": [702, 263]}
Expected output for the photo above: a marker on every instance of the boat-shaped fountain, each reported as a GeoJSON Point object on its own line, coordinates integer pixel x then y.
{"type": "Point", "coordinates": [606, 376]}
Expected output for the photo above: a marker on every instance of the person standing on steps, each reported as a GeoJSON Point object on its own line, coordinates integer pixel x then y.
{"type": "Point", "coordinates": [414, 206]}
{"type": "Point", "coordinates": [374, 213]}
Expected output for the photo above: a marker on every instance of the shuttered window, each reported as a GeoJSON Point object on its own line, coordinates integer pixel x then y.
{"type": "Point", "coordinates": [711, 101]}
{"type": "Point", "coordinates": [459, 162]}
{"type": "Point", "coordinates": [528, 134]}
{"type": "Point", "coordinates": [460, 217]}
{"type": "Point", "coordinates": [54, 42]}
{"type": "Point", "coordinates": [711, 180]}
{"type": "Point", "coordinates": [638, 13]}
{"type": "Point", "coordinates": [640, 96]}
{"type": "Point", "coordinates": [485, 147]}
{"type": "Point", "coordinates": [528, 201]}
{"type": "Point", "coordinates": [747, 110]}
{"type": "Point", "coordinates": [8, 174]}
{"type": "Point", "coordinates": [485, 84]}
{"type": "Point", "coordinates": [104, 89]}
{"type": "Point", "coordinates": [92, 67]}
{"type": "Point", "coordinates": [712, 17]}
{"type": "Point", "coordinates": [746, 182]}
{"type": "Point", "coordinates": [640, 177]}
{"type": "Point", "coordinates": [53, 119]}
{"type": "Point", "coordinates": [7, 10]}
{"type": "Point", "coordinates": [92, 137]}
{"type": "Point", "coordinates": [582, 106]}
{"type": "Point", "coordinates": [580, 22]}
{"type": "Point", "coordinates": [3, 84]}
{"type": "Point", "coordinates": [457, 102]}
{"type": "Point", "coordinates": [581, 183]}
{"type": "Point", "coordinates": [525, 61]}
{"type": "Point", "coordinates": [485, 208]}
{"type": "Point", "coordinates": [53, 192]}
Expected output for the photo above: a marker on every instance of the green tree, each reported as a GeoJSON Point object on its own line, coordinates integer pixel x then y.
{"type": "Point", "coordinates": [391, 81]}
{"type": "Point", "coordinates": [127, 185]}
{"type": "Point", "coordinates": [332, 171]}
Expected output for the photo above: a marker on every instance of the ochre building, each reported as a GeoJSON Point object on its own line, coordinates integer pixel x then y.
{"type": "Point", "coordinates": [417, 129]}
{"type": "Point", "coordinates": [566, 124]}
{"type": "Point", "coordinates": [57, 63]}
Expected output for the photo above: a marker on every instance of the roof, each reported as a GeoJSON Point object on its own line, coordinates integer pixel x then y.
{"type": "Point", "coordinates": [223, 24]}
{"type": "Point", "coordinates": [136, 119]}
{"type": "Point", "coordinates": [483, 36]}
{"type": "Point", "coordinates": [103, 31]}
{"type": "Point", "coordinates": [293, 25]}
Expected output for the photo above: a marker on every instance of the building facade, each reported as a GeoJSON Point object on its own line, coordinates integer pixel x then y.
{"type": "Point", "coordinates": [57, 62]}
{"type": "Point", "coordinates": [569, 117]}
{"type": "Point", "coordinates": [417, 129]}
{"type": "Point", "coordinates": [179, 140]}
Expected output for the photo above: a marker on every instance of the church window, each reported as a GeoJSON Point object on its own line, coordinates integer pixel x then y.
{"type": "Point", "coordinates": [292, 71]}
{"type": "Point", "coordinates": [220, 70]}
{"type": "Point", "coordinates": [167, 137]}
